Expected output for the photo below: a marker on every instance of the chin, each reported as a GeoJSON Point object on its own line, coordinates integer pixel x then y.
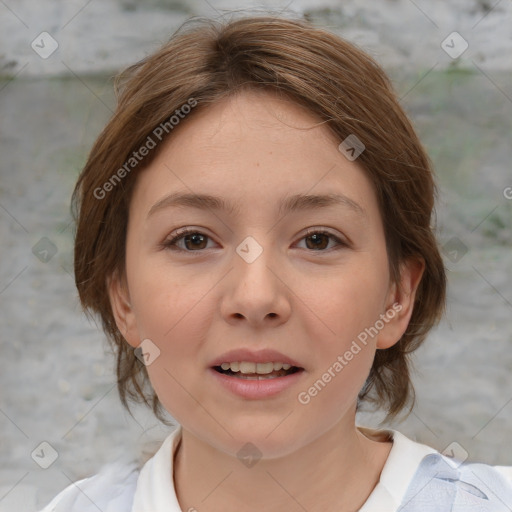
{"type": "Point", "coordinates": [267, 439]}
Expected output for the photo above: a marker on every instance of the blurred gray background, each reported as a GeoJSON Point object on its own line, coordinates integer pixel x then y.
{"type": "Point", "coordinates": [56, 63]}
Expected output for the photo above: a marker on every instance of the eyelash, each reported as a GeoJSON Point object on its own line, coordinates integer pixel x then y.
{"type": "Point", "coordinates": [171, 244]}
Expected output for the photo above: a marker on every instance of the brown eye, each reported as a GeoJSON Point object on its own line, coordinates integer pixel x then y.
{"type": "Point", "coordinates": [319, 240]}
{"type": "Point", "coordinates": [192, 241]}
{"type": "Point", "coordinates": [197, 240]}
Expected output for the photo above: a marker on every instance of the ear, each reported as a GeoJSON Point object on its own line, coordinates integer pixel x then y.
{"type": "Point", "coordinates": [400, 303]}
{"type": "Point", "coordinates": [122, 308]}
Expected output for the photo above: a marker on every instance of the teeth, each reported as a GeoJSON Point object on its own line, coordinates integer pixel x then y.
{"type": "Point", "coordinates": [260, 368]}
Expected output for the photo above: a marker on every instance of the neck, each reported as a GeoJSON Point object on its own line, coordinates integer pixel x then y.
{"type": "Point", "coordinates": [337, 471]}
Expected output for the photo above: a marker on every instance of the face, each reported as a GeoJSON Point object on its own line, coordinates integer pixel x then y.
{"type": "Point", "coordinates": [304, 280]}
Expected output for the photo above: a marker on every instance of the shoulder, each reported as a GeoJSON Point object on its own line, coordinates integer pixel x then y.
{"type": "Point", "coordinates": [505, 471]}
{"type": "Point", "coordinates": [417, 478]}
{"type": "Point", "coordinates": [441, 484]}
{"type": "Point", "coordinates": [111, 490]}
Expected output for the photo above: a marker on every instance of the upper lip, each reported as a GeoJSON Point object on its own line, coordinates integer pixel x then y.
{"type": "Point", "coordinates": [260, 356]}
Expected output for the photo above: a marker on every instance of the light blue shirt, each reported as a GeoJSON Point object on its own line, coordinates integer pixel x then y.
{"type": "Point", "coordinates": [438, 486]}
{"type": "Point", "coordinates": [415, 478]}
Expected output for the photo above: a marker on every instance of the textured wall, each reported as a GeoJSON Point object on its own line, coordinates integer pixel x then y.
{"type": "Point", "coordinates": [57, 382]}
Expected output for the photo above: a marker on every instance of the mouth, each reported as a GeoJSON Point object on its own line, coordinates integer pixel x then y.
{"type": "Point", "coordinates": [257, 371]}
{"type": "Point", "coordinates": [256, 381]}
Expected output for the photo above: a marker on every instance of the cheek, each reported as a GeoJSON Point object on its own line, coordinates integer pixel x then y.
{"type": "Point", "coordinates": [174, 317]}
{"type": "Point", "coordinates": [164, 298]}
{"type": "Point", "coordinates": [342, 359]}
{"type": "Point", "coordinates": [348, 307]}
{"type": "Point", "coordinates": [352, 300]}
{"type": "Point", "coordinates": [176, 321]}
{"type": "Point", "coordinates": [171, 310]}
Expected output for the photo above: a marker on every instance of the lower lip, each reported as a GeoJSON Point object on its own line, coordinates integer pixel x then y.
{"type": "Point", "coordinates": [256, 389]}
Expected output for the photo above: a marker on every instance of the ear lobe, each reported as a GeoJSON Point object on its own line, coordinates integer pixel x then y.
{"type": "Point", "coordinates": [122, 308]}
{"type": "Point", "coordinates": [400, 303]}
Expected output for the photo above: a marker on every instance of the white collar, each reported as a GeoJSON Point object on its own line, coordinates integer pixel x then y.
{"type": "Point", "coordinates": [155, 487]}
{"type": "Point", "coordinates": [398, 471]}
{"type": "Point", "coordinates": [156, 492]}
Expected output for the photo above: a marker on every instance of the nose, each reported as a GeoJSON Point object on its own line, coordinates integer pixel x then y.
{"type": "Point", "coordinates": [256, 288]}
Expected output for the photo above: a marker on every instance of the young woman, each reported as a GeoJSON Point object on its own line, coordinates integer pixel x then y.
{"type": "Point", "coordinates": [254, 231]}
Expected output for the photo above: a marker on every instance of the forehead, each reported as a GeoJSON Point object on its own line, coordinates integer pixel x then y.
{"type": "Point", "coordinates": [253, 150]}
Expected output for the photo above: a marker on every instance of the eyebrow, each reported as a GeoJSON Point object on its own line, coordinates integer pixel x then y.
{"type": "Point", "coordinates": [296, 202]}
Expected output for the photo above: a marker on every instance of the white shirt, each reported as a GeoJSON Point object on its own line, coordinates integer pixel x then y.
{"type": "Point", "coordinates": [415, 477]}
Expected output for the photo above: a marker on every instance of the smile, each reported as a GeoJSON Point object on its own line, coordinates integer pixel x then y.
{"type": "Point", "coordinates": [251, 370]}
{"type": "Point", "coordinates": [248, 381]}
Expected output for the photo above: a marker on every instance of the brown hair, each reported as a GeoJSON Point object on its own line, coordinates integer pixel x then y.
{"type": "Point", "coordinates": [207, 60]}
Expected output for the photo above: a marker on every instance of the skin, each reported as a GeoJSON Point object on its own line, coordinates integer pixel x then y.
{"type": "Point", "coordinates": [305, 302]}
